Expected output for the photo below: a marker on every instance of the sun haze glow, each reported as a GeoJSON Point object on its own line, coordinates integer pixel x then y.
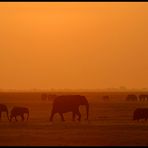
{"type": "Point", "coordinates": [73, 45]}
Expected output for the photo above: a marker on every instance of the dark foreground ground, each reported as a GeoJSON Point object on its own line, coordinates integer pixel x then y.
{"type": "Point", "coordinates": [110, 124]}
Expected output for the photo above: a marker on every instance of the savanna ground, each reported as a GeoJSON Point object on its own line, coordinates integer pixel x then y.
{"type": "Point", "coordinates": [110, 123]}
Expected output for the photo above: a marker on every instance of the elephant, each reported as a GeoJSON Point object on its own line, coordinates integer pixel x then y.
{"type": "Point", "coordinates": [140, 113]}
{"type": "Point", "coordinates": [143, 97]}
{"type": "Point", "coordinates": [19, 111]}
{"type": "Point", "coordinates": [131, 98]}
{"type": "Point", "coordinates": [105, 98]}
{"type": "Point", "coordinates": [69, 103]}
{"type": "Point", "coordinates": [3, 108]}
{"type": "Point", "coordinates": [51, 97]}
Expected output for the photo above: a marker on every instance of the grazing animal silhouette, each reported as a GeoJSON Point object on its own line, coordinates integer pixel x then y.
{"type": "Point", "coordinates": [44, 96]}
{"type": "Point", "coordinates": [69, 103]}
{"type": "Point", "coordinates": [105, 98]}
{"type": "Point", "coordinates": [51, 97]}
{"type": "Point", "coordinates": [3, 108]}
{"type": "Point", "coordinates": [140, 113]}
{"type": "Point", "coordinates": [131, 98]}
{"type": "Point", "coordinates": [143, 97]}
{"type": "Point", "coordinates": [19, 111]}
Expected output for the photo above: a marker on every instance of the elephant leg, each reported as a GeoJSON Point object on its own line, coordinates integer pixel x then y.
{"type": "Point", "coordinates": [79, 115]}
{"type": "Point", "coordinates": [16, 119]}
{"type": "Point", "coordinates": [22, 117]}
{"type": "Point", "coordinates": [62, 117]}
{"type": "Point", "coordinates": [10, 118]}
{"type": "Point", "coordinates": [51, 117]}
{"type": "Point", "coordinates": [73, 116]}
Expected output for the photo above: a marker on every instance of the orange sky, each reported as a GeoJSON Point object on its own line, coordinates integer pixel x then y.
{"type": "Point", "coordinates": [73, 45]}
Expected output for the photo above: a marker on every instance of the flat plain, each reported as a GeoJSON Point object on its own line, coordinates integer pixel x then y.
{"type": "Point", "coordinates": [110, 122]}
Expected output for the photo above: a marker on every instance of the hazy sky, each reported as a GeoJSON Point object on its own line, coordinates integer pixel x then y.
{"type": "Point", "coordinates": [73, 45]}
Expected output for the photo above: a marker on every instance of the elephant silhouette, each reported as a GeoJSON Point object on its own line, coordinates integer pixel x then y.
{"type": "Point", "coordinates": [143, 97]}
{"type": "Point", "coordinates": [140, 113]}
{"type": "Point", "coordinates": [3, 108]}
{"type": "Point", "coordinates": [51, 97]}
{"type": "Point", "coordinates": [131, 98]}
{"type": "Point", "coordinates": [19, 111]}
{"type": "Point", "coordinates": [69, 103]}
{"type": "Point", "coordinates": [105, 98]}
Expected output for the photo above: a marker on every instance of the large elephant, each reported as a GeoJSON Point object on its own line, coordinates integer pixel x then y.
{"type": "Point", "coordinates": [3, 108]}
{"type": "Point", "coordinates": [19, 111]}
{"type": "Point", "coordinates": [69, 103]}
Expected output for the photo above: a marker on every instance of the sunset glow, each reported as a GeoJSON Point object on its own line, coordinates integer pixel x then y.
{"type": "Point", "coordinates": [73, 45]}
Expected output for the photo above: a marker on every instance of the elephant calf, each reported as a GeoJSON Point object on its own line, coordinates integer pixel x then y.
{"type": "Point", "coordinates": [131, 98]}
{"type": "Point", "coordinates": [19, 111]}
{"type": "Point", "coordinates": [140, 113]}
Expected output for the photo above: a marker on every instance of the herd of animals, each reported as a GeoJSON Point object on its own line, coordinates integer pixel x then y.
{"type": "Point", "coordinates": [70, 103]}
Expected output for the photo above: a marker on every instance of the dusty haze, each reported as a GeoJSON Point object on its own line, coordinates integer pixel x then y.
{"type": "Point", "coordinates": [73, 45]}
